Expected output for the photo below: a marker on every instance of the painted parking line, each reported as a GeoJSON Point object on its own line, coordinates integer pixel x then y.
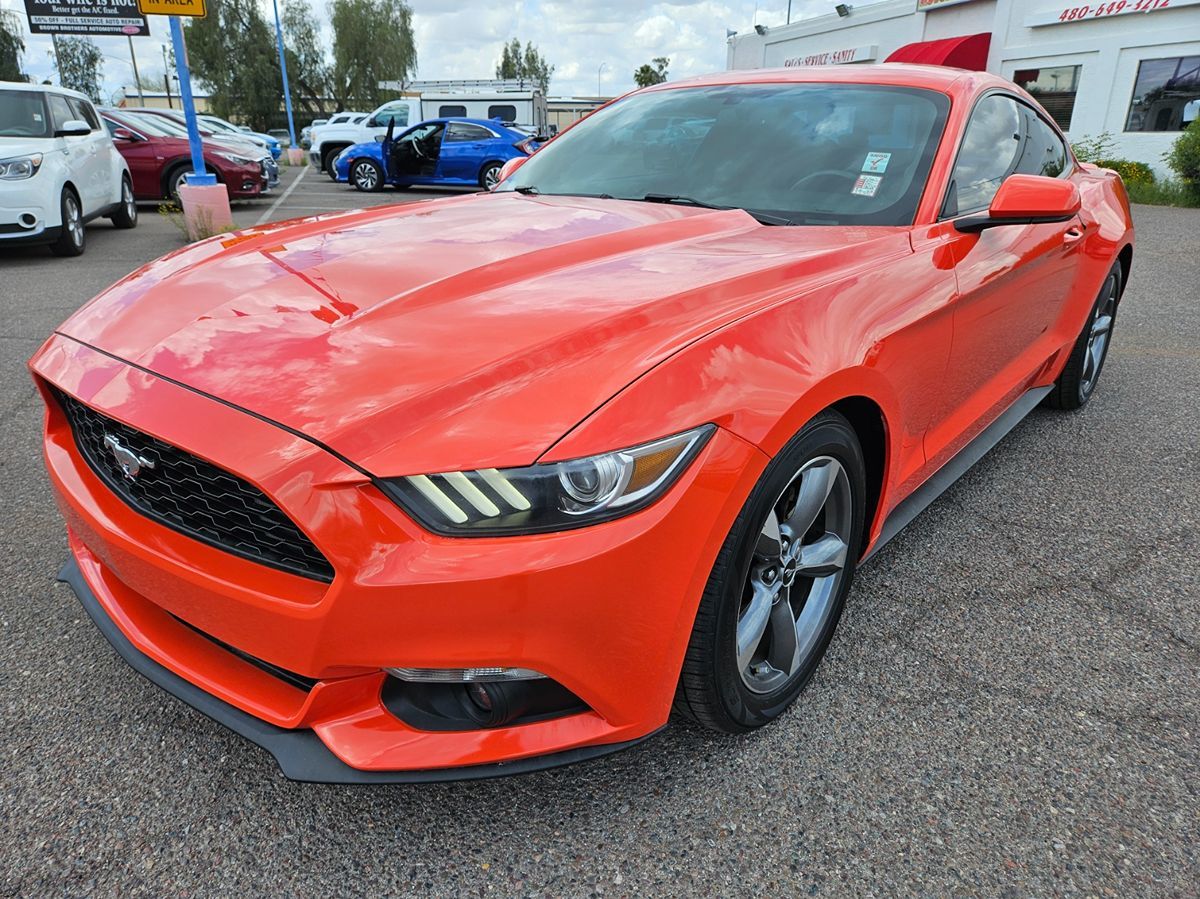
{"type": "Point", "coordinates": [266, 216]}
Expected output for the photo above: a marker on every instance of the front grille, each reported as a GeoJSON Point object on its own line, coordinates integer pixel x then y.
{"type": "Point", "coordinates": [194, 497]}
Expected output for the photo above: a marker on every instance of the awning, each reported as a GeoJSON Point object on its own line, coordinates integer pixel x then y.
{"type": "Point", "coordinates": [967, 52]}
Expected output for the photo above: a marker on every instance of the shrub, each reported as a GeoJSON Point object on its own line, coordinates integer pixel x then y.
{"type": "Point", "coordinates": [1184, 156]}
{"type": "Point", "coordinates": [1091, 149]}
{"type": "Point", "coordinates": [1132, 173]}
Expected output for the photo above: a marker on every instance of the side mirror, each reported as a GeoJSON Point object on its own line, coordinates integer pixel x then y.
{"type": "Point", "coordinates": [371, 123]}
{"type": "Point", "coordinates": [508, 169]}
{"type": "Point", "coordinates": [73, 128]}
{"type": "Point", "coordinates": [124, 134]}
{"type": "Point", "coordinates": [1026, 200]}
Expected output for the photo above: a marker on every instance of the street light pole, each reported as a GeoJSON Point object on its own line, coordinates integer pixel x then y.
{"type": "Point", "coordinates": [136, 77]}
{"type": "Point", "coordinates": [287, 93]}
{"type": "Point", "coordinates": [598, 71]}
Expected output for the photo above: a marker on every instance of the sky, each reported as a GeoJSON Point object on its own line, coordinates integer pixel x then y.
{"type": "Point", "coordinates": [457, 39]}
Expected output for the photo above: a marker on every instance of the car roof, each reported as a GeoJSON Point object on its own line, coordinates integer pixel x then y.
{"type": "Point", "coordinates": [48, 88]}
{"type": "Point", "coordinates": [939, 78]}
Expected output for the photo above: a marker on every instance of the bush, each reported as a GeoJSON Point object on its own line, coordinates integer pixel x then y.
{"type": "Point", "coordinates": [1091, 149]}
{"type": "Point", "coordinates": [1184, 156]}
{"type": "Point", "coordinates": [1164, 192]}
{"type": "Point", "coordinates": [1132, 173]}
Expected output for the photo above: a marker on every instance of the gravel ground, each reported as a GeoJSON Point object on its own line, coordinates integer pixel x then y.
{"type": "Point", "coordinates": [1009, 708]}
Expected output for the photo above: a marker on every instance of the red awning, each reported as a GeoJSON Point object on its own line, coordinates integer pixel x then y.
{"type": "Point", "coordinates": [967, 52]}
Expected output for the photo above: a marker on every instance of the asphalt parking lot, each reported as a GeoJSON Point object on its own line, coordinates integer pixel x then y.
{"type": "Point", "coordinates": [1011, 706]}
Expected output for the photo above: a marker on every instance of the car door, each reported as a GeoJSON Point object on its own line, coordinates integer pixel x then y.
{"type": "Point", "coordinates": [142, 155]}
{"type": "Point", "coordinates": [463, 150]}
{"type": "Point", "coordinates": [105, 166]}
{"type": "Point", "coordinates": [79, 152]}
{"type": "Point", "coordinates": [1013, 280]}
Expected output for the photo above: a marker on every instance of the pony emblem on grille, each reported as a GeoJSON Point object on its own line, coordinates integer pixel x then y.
{"type": "Point", "coordinates": [131, 463]}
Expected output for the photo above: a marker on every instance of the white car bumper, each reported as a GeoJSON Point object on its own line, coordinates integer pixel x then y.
{"type": "Point", "coordinates": [25, 210]}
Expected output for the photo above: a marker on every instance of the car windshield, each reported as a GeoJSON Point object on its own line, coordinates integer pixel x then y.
{"type": "Point", "coordinates": [217, 124]}
{"type": "Point", "coordinates": [153, 124]}
{"type": "Point", "coordinates": [816, 154]}
{"type": "Point", "coordinates": [23, 114]}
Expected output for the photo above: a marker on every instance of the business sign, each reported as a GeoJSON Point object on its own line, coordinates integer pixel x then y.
{"type": "Point", "coordinates": [85, 17]}
{"type": "Point", "coordinates": [834, 57]}
{"type": "Point", "coordinates": [925, 5]}
{"type": "Point", "coordinates": [194, 8]}
{"type": "Point", "coordinates": [1062, 13]}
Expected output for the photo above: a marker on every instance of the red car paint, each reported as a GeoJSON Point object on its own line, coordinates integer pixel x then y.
{"type": "Point", "coordinates": [498, 330]}
{"type": "Point", "coordinates": [154, 156]}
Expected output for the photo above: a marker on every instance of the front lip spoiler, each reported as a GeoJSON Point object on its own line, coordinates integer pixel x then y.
{"type": "Point", "coordinates": [300, 753]}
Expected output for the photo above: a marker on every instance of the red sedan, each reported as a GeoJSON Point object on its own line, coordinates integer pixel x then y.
{"type": "Point", "coordinates": [159, 159]}
{"type": "Point", "coordinates": [495, 482]}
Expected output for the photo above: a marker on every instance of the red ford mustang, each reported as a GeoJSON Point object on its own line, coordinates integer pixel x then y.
{"type": "Point", "coordinates": [495, 482]}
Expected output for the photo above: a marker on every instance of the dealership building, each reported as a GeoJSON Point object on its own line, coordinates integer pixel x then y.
{"type": "Point", "coordinates": [1130, 67]}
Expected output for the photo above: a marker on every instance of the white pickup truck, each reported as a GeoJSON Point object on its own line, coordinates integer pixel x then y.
{"type": "Point", "coordinates": [330, 139]}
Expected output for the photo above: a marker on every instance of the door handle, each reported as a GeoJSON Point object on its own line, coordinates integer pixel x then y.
{"type": "Point", "coordinates": [1072, 235]}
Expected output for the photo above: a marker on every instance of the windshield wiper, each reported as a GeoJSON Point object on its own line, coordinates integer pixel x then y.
{"type": "Point", "coordinates": [527, 189]}
{"type": "Point", "coordinates": [763, 218]}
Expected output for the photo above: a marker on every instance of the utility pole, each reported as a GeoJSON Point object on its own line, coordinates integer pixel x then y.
{"type": "Point", "coordinates": [136, 77]}
{"type": "Point", "coordinates": [598, 71]}
{"type": "Point", "coordinates": [57, 58]}
{"type": "Point", "coordinates": [167, 77]}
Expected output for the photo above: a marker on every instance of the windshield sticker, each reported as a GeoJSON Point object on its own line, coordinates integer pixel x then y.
{"type": "Point", "coordinates": [876, 162]}
{"type": "Point", "coordinates": [866, 185]}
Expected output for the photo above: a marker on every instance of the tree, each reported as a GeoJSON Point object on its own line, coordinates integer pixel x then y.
{"type": "Point", "coordinates": [525, 64]}
{"type": "Point", "coordinates": [232, 51]}
{"type": "Point", "coordinates": [372, 42]}
{"type": "Point", "coordinates": [308, 68]}
{"type": "Point", "coordinates": [78, 63]}
{"type": "Point", "coordinates": [653, 72]}
{"type": "Point", "coordinates": [12, 45]}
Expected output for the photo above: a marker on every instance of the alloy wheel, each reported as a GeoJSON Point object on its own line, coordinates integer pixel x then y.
{"type": "Point", "coordinates": [795, 574]}
{"type": "Point", "coordinates": [128, 200]}
{"type": "Point", "coordinates": [365, 176]}
{"type": "Point", "coordinates": [73, 220]}
{"type": "Point", "coordinates": [1098, 336]}
{"type": "Point", "coordinates": [491, 177]}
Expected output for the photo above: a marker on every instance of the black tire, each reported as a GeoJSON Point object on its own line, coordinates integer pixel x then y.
{"type": "Point", "coordinates": [1077, 382]}
{"type": "Point", "coordinates": [367, 175]}
{"type": "Point", "coordinates": [327, 159]}
{"type": "Point", "coordinates": [488, 173]}
{"type": "Point", "coordinates": [712, 690]}
{"type": "Point", "coordinates": [127, 215]}
{"type": "Point", "coordinates": [71, 240]}
{"type": "Point", "coordinates": [174, 178]}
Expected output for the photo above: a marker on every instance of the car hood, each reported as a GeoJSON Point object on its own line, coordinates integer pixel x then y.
{"type": "Point", "coordinates": [458, 333]}
{"type": "Point", "coordinates": [24, 146]}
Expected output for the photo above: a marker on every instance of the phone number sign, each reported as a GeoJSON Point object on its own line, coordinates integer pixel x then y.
{"type": "Point", "coordinates": [1060, 15]}
{"type": "Point", "coordinates": [85, 17]}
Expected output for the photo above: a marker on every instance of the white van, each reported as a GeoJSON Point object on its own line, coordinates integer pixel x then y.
{"type": "Point", "coordinates": [59, 169]}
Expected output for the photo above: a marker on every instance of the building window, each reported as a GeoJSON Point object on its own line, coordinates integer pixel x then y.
{"type": "Point", "coordinates": [1165, 95]}
{"type": "Point", "coordinates": [1053, 87]}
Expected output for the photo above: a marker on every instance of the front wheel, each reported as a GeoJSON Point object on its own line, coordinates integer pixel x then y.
{"type": "Point", "coordinates": [490, 176]}
{"type": "Point", "coordinates": [1077, 382]}
{"type": "Point", "coordinates": [126, 215]}
{"type": "Point", "coordinates": [71, 240]}
{"type": "Point", "coordinates": [366, 175]}
{"type": "Point", "coordinates": [778, 586]}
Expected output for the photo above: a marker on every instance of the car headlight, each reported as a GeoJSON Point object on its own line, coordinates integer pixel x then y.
{"type": "Point", "coordinates": [552, 496]}
{"type": "Point", "coordinates": [20, 167]}
{"type": "Point", "coordinates": [237, 160]}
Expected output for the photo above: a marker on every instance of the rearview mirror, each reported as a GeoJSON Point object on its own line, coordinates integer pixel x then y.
{"type": "Point", "coordinates": [73, 128]}
{"type": "Point", "coordinates": [123, 134]}
{"type": "Point", "coordinates": [509, 168]}
{"type": "Point", "coordinates": [1026, 200]}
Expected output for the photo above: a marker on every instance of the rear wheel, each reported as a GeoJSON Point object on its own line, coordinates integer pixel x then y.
{"type": "Point", "coordinates": [777, 589]}
{"type": "Point", "coordinates": [71, 240]}
{"type": "Point", "coordinates": [1077, 382]}
{"type": "Point", "coordinates": [489, 177]}
{"type": "Point", "coordinates": [127, 215]}
{"type": "Point", "coordinates": [366, 175]}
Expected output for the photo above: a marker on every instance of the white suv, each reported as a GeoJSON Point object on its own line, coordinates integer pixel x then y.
{"type": "Point", "coordinates": [58, 169]}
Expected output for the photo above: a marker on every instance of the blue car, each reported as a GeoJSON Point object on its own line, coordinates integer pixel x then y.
{"type": "Point", "coordinates": [450, 151]}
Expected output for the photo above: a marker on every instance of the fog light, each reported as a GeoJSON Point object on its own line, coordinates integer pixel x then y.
{"type": "Point", "coordinates": [479, 695]}
{"type": "Point", "coordinates": [464, 675]}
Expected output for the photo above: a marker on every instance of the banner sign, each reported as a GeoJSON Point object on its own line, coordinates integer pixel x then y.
{"type": "Point", "coordinates": [85, 17]}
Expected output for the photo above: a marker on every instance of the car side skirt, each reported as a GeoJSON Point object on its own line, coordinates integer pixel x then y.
{"type": "Point", "coordinates": [958, 465]}
{"type": "Point", "coordinates": [300, 753]}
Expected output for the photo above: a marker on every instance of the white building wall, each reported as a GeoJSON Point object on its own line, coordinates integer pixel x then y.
{"type": "Point", "coordinates": [1108, 49]}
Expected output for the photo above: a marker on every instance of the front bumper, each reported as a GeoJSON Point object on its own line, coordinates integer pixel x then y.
{"type": "Point", "coordinates": [604, 611]}
{"type": "Point", "coordinates": [28, 198]}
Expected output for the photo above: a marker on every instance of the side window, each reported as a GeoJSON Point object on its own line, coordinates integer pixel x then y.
{"type": "Point", "coordinates": [82, 109]}
{"type": "Point", "coordinates": [448, 111]}
{"type": "Point", "coordinates": [60, 110]}
{"type": "Point", "coordinates": [461, 131]}
{"type": "Point", "coordinates": [397, 114]}
{"type": "Point", "coordinates": [987, 156]}
{"type": "Point", "coordinates": [1043, 153]}
{"type": "Point", "coordinates": [504, 112]}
